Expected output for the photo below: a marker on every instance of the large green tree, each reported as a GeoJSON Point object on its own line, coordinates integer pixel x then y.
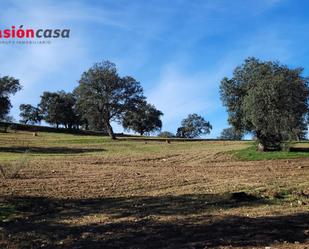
{"type": "Point", "coordinates": [193, 126]}
{"type": "Point", "coordinates": [103, 91]}
{"type": "Point", "coordinates": [59, 108]}
{"type": "Point", "coordinates": [230, 134]}
{"type": "Point", "coordinates": [30, 114]}
{"type": "Point", "coordinates": [144, 118]}
{"type": "Point", "coordinates": [8, 86]}
{"type": "Point", "coordinates": [51, 109]}
{"type": "Point", "coordinates": [268, 99]}
{"type": "Point", "coordinates": [90, 118]}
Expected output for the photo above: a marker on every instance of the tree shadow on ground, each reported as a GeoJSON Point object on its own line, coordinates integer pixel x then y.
{"type": "Point", "coordinates": [299, 149]}
{"type": "Point", "coordinates": [145, 222]}
{"type": "Point", "coordinates": [48, 150]}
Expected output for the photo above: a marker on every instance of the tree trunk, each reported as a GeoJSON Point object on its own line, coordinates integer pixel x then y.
{"type": "Point", "coordinates": [110, 131]}
{"type": "Point", "coordinates": [261, 147]}
{"type": "Point", "coordinates": [101, 122]}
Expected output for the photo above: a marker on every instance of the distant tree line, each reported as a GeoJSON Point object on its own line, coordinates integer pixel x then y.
{"type": "Point", "coordinates": [101, 97]}
{"type": "Point", "coordinates": [263, 98]}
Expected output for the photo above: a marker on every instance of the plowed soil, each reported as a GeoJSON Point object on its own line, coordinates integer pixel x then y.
{"type": "Point", "coordinates": [80, 192]}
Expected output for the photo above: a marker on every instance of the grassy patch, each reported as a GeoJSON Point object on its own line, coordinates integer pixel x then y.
{"type": "Point", "coordinates": [56, 145]}
{"type": "Point", "coordinates": [251, 154]}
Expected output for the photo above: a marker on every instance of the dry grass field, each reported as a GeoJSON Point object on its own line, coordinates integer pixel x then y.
{"type": "Point", "coordinates": [74, 191]}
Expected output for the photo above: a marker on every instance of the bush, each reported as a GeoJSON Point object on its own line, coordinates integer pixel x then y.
{"type": "Point", "coordinates": [12, 170]}
{"type": "Point", "coordinates": [166, 134]}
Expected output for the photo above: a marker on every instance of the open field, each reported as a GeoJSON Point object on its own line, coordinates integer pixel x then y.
{"type": "Point", "coordinates": [89, 192]}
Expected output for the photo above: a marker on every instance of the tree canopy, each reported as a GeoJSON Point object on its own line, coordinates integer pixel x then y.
{"type": "Point", "coordinates": [8, 86]}
{"type": "Point", "coordinates": [103, 91]}
{"type": "Point", "coordinates": [268, 99]}
{"type": "Point", "coordinates": [59, 108]}
{"type": "Point", "coordinates": [30, 114]}
{"type": "Point", "coordinates": [230, 134]}
{"type": "Point", "coordinates": [193, 126]}
{"type": "Point", "coordinates": [144, 118]}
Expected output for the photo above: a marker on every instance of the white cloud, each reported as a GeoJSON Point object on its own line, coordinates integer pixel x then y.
{"type": "Point", "coordinates": [178, 94]}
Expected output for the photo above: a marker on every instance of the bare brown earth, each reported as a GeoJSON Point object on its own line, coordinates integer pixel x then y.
{"type": "Point", "coordinates": [150, 195]}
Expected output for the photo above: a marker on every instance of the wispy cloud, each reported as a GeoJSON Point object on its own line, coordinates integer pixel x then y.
{"type": "Point", "coordinates": [180, 92]}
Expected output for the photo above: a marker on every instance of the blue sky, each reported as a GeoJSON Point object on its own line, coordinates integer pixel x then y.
{"type": "Point", "coordinates": [179, 50]}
